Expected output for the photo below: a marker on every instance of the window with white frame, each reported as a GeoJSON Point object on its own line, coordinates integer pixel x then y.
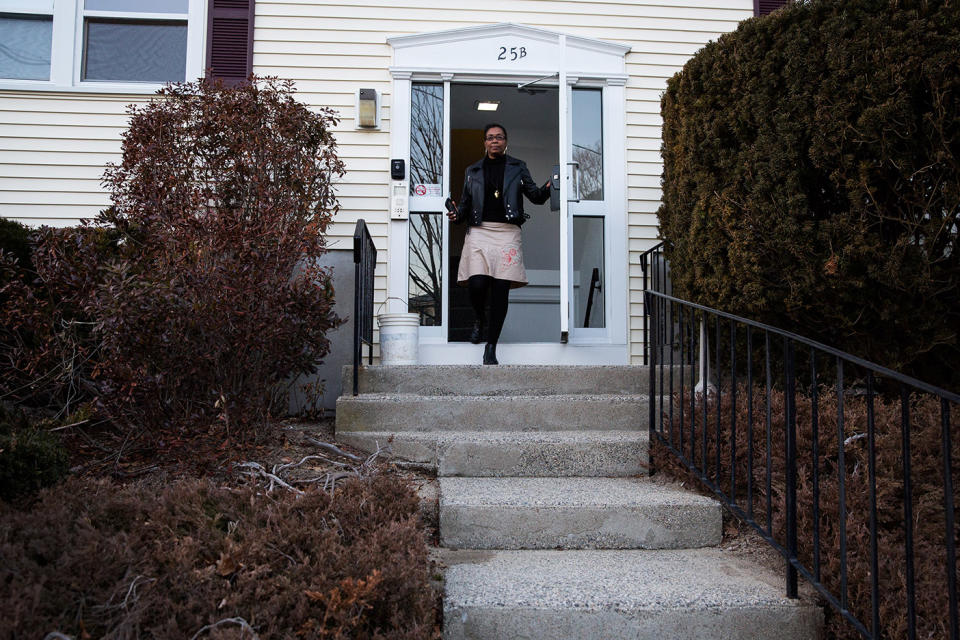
{"type": "Point", "coordinates": [88, 43]}
{"type": "Point", "coordinates": [26, 40]}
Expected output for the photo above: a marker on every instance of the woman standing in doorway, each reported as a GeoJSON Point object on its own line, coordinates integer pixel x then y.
{"type": "Point", "coordinates": [492, 259]}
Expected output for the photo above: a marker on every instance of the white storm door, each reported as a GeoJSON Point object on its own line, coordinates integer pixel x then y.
{"type": "Point", "coordinates": [588, 219]}
{"type": "Point", "coordinates": [565, 193]}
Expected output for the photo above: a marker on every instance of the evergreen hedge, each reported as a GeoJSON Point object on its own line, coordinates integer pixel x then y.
{"type": "Point", "coordinates": [812, 178]}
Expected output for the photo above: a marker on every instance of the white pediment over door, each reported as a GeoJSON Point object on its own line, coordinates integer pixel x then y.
{"type": "Point", "coordinates": [506, 48]}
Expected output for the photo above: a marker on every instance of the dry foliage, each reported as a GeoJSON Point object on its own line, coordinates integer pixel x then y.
{"type": "Point", "coordinates": [929, 528]}
{"type": "Point", "coordinates": [198, 296]}
{"type": "Point", "coordinates": [92, 561]}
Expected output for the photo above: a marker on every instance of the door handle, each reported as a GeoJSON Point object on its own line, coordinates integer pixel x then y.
{"type": "Point", "coordinates": [555, 189]}
{"type": "Point", "coordinates": [574, 173]}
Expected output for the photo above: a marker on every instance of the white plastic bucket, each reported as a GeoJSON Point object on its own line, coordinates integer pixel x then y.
{"type": "Point", "coordinates": [398, 337]}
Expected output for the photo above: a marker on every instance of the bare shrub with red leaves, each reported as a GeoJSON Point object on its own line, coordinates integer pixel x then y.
{"type": "Point", "coordinates": [751, 461]}
{"type": "Point", "coordinates": [198, 296]}
{"type": "Point", "coordinates": [48, 349]}
{"type": "Point", "coordinates": [92, 560]}
{"type": "Point", "coordinates": [225, 194]}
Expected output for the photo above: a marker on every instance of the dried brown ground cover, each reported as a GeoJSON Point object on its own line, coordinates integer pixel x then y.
{"type": "Point", "coordinates": [163, 546]}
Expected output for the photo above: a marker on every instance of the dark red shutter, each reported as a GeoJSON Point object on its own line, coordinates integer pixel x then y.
{"type": "Point", "coordinates": [763, 7]}
{"type": "Point", "coordinates": [230, 40]}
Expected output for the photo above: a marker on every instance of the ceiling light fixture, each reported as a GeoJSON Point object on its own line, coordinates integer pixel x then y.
{"type": "Point", "coordinates": [487, 105]}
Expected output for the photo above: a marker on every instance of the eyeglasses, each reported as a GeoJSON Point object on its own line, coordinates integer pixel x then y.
{"type": "Point", "coordinates": [492, 138]}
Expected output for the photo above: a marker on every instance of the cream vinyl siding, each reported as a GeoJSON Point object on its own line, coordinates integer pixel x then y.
{"type": "Point", "coordinates": [331, 49]}
{"type": "Point", "coordinates": [53, 146]}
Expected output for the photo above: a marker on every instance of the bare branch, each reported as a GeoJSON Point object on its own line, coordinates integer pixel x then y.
{"type": "Point", "coordinates": [257, 470]}
{"type": "Point", "coordinates": [332, 448]}
{"type": "Point", "coordinates": [244, 626]}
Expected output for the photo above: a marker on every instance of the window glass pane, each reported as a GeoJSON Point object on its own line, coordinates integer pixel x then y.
{"type": "Point", "coordinates": [589, 277]}
{"type": "Point", "coordinates": [25, 43]}
{"type": "Point", "coordinates": [426, 266]}
{"type": "Point", "coordinates": [588, 141]}
{"type": "Point", "coordinates": [122, 50]}
{"type": "Point", "coordinates": [31, 6]}
{"type": "Point", "coordinates": [426, 139]}
{"type": "Point", "coordinates": [138, 6]}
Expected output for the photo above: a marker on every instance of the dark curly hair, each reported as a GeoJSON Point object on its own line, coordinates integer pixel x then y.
{"type": "Point", "coordinates": [494, 125]}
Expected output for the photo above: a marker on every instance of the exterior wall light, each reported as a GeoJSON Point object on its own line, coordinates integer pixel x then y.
{"type": "Point", "coordinates": [368, 109]}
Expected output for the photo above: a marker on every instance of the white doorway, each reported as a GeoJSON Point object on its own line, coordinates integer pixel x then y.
{"type": "Point", "coordinates": [574, 311]}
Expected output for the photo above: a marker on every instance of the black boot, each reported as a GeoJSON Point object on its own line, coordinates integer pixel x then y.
{"type": "Point", "coordinates": [490, 354]}
{"type": "Point", "coordinates": [476, 336]}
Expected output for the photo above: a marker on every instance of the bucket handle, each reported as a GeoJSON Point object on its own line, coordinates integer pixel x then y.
{"type": "Point", "coordinates": [388, 299]}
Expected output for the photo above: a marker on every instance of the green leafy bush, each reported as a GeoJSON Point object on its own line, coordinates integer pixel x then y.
{"type": "Point", "coordinates": [15, 241]}
{"type": "Point", "coordinates": [92, 560]}
{"type": "Point", "coordinates": [30, 456]}
{"type": "Point", "coordinates": [812, 178]}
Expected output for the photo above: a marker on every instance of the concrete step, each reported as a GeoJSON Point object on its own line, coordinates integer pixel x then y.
{"type": "Point", "coordinates": [574, 513]}
{"type": "Point", "coordinates": [515, 453]}
{"type": "Point", "coordinates": [633, 595]}
{"type": "Point", "coordinates": [478, 380]}
{"type": "Point", "coordinates": [390, 412]}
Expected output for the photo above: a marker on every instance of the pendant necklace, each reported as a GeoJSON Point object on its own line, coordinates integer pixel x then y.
{"type": "Point", "coordinates": [496, 193]}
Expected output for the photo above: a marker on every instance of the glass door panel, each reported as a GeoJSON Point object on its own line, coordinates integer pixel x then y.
{"type": "Point", "coordinates": [426, 140]}
{"type": "Point", "coordinates": [426, 222]}
{"type": "Point", "coordinates": [425, 265]}
{"type": "Point", "coordinates": [587, 142]}
{"type": "Point", "coordinates": [588, 272]}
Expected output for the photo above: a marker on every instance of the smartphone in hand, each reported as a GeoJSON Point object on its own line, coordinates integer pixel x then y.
{"type": "Point", "coordinates": [451, 209]}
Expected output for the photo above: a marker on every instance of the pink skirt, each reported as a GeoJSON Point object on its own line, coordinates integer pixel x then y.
{"type": "Point", "coordinates": [493, 249]}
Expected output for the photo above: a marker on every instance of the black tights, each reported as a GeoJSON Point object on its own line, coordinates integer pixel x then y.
{"type": "Point", "coordinates": [499, 296]}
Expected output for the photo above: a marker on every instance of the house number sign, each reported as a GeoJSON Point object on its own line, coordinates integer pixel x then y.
{"type": "Point", "coordinates": [511, 53]}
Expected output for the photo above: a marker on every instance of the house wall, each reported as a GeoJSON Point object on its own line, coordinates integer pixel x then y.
{"type": "Point", "coordinates": [53, 146]}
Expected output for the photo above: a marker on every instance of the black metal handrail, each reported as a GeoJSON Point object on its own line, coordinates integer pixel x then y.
{"type": "Point", "coordinates": [700, 419]}
{"type": "Point", "coordinates": [656, 275]}
{"type": "Point", "coordinates": [365, 263]}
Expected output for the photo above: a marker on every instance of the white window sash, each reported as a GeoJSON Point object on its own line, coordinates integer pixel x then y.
{"type": "Point", "coordinates": [66, 56]}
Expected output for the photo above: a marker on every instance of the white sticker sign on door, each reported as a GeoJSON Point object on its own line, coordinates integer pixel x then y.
{"type": "Point", "coordinates": [428, 190]}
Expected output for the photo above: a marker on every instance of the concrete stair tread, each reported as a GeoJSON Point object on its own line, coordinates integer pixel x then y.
{"type": "Point", "coordinates": [641, 579]}
{"type": "Point", "coordinates": [565, 412]}
{"type": "Point", "coordinates": [507, 437]}
{"type": "Point", "coordinates": [498, 399]}
{"type": "Point", "coordinates": [636, 595]}
{"type": "Point", "coordinates": [574, 513]}
{"type": "Point", "coordinates": [501, 380]}
{"type": "Point", "coordinates": [515, 453]}
{"type": "Point", "coordinates": [566, 492]}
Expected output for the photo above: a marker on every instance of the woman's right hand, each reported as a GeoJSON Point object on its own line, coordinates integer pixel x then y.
{"type": "Point", "coordinates": [451, 209]}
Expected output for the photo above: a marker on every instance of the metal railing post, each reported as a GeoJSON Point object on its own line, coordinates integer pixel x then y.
{"type": "Point", "coordinates": [791, 494]}
{"type": "Point", "coordinates": [357, 319]}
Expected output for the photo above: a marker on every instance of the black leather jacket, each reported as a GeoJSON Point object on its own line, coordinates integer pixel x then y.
{"type": "Point", "coordinates": [516, 179]}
